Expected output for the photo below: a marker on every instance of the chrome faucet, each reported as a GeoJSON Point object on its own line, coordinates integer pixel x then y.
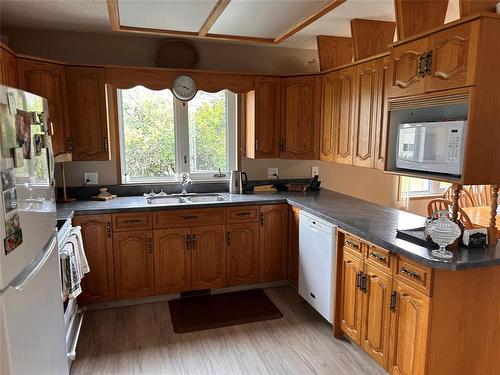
{"type": "Point", "coordinates": [185, 181]}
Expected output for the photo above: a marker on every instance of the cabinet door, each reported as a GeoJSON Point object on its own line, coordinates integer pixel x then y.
{"type": "Point", "coordinates": [242, 253]}
{"type": "Point", "coordinates": [208, 257]}
{"type": "Point", "coordinates": [49, 80]}
{"type": "Point", "coordinates": [367, 92]}
{"type": "Point", "coordinates": [266, 119]}
{"type": "Point", "coordinates": [405, 62]}
{"type": "Point", "coordinates": [383, 112]}
{"type": "Point", "coordinates": [133, 253]}
{"type": "Point", "coordinates": [350, 314]}
{"type": "Point", "coordinates": [293, 245]}
{"type": "Point", "coordinates": [172, 260]}
{"type": "Point", "coordinates": [409, 331]}
{"type": "Point", "coordinates": [346, 104]}
{"type": "Point", "coordinates": [300, 117]}
{"type": "Point", "coordinates": [99, 284]}
{"type": "Point", "coordinates": [328, 87]}
{"type": "Point", "coordinates": [451, 63]}
{"type": "Point", "coordinates": [376, 316]}
{"type": "Point", "coordinates": [273, 242]}
{"type": "Point", "coordinates": [87, 105]}
{"type": "Point", "coordinates": [8, 69]}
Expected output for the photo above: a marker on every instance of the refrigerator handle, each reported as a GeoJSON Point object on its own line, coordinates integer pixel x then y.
{"type": "Point", "coordinates": [18, 285]}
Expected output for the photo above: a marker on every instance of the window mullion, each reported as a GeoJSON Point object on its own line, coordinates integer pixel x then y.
{"type": "Point", "coordinates": [182, 136]}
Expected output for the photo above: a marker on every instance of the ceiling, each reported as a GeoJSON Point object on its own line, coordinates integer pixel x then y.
{"type": "Point", "coordinates": [254, 18]}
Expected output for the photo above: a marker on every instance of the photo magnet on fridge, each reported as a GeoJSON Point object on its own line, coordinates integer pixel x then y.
{"type": "Point", "coordinates": [12, 224]}
{"type": "Point", "coordinates": [8, 180]}
{"type": "Point", "coordinates": [23, 132]}
{"type": "Point", "coordinates": [13, 241]}
{"type": "Point", "coordinates": [18, 155]}
{"type": "Point", "coordinates": [10, 200]}
{"type": "Point", "coordinates": [37, 141]}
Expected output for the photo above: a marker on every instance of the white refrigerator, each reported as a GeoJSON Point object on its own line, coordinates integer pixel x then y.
{"type": "Point", "coordinates": [32, 331]}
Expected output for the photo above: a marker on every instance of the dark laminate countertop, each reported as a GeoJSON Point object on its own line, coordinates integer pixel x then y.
{"type": "Point", "coordinates": [372, 222]}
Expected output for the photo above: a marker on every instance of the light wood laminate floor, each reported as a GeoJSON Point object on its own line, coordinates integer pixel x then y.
{"type": "Point", "coordinates": [140, 340]}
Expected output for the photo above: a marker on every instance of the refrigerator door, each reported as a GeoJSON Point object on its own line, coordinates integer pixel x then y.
{"type": "Point", "coordinates": [27, 202]}
{"type": "Point", "coordinates": [33, 317]}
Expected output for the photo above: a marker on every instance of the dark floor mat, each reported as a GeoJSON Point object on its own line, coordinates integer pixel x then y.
{"type": "Point", "coordinates": [221, 310]}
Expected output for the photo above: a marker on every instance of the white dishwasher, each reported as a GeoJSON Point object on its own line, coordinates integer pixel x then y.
{"type": "Point", "coordinates": [317, 263]}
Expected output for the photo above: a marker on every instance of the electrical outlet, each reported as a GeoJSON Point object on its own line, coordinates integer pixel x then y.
{"type": "Point", "coordinates": [90, 178]}
{"type": "Point", "coordinates": [314, 171]}
{"type": "Point", "coordinates": [271, 172]}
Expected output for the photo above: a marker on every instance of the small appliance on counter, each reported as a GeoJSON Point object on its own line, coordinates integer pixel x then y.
{"type": "Point", "coordinates": [315, 183]}
{"type": "Point", "coordinates": [236, 182]}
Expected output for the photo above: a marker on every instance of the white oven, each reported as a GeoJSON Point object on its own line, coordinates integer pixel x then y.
{"type": "Point", "coordinates": [436, 147]}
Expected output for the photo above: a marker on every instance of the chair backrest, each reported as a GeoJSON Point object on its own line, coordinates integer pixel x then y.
{"type": "Point", "coordinates": [481, 194]}
{"type": "Point", "coordinates": [439, 204]}
{"type": "Point", "coordinates": [465, 199]}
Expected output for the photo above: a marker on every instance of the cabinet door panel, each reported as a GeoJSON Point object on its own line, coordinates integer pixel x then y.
{"type": "Point", "coordinates": [383, 112]}
{"type": "Point", "coordinates": [350, 315]}
{"type": "Point", "coordinates": [409, 331]}
{"type": "Point", "coordinates": [301, 112]}
{"type": "Point", "coordinates": [49, 80]}
{"type": "Point", "coordinates": [99, 284]}
{"type": "Point", "coordinates": [133, 253]}
{"type": "Point", "coordinates": [376, 315]}
{"type": "Point", "coordinates": [87, 104]}
{"type": "Point", "coordinates": [405, 62]}
{"type": "Point", "coordinates": [8, 69]}
{"type": "Point", "coordinates": [367, 93]}
{"type": "Point", "coordinates": [293, 245]}
{"type": "Point", "coordinates": [329, 87]}
{"type": "Point", "coordinates": [267, 117]}
{"type": "Point", "coordinates": [208, 257]}
{"type": "Point", "coordinates": [243, 253]}
{"type": "Point", "coordinates": [346, 103]}
{"type": "Point", "coordinates": [172, 260]}
{"type": "Point", "coordinates": [273, 242]}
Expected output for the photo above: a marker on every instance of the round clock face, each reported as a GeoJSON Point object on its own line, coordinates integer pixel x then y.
{"type": "Point", "coordinates": [184, 88]}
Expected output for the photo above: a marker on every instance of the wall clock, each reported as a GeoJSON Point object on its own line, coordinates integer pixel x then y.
{"type": "Point", "coordinates": [184, 88]}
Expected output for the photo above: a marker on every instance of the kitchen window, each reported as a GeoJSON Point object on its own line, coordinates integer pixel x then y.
{"type": "Point", "coordinates": [161, 136]}
{"type": "Point", "coordinates": [411, 187]}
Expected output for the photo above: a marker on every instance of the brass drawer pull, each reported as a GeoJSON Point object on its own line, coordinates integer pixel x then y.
{"type": "Point", "coordinates": [378, 257]}
{"type": "Point", "coordinates": [190, 217]}
{"type": "Point", "coordinates": [352, 244]}
{"type": "Point", "coordinates": [411, 273]}
{"type": "Point", "coordinates": [243, 214]}
{"type": "Point", "coordinates": [132, 221]}
{"type": "Point", "coordinates": [394, 301]}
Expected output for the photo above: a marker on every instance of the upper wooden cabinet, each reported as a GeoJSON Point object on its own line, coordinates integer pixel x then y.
{"type": "Point", "coordinates": [49, 80]}
{"type": "Point", "coordinates": [99, 284]}
{"type": "Point", "coordinates": [329, 84]}
{"type": "Point", "coordinates": [88, 117]}
{"type": "Point", "coordinates": [263, 126]}
{"type": "Point", "coordinates": [406, 79]}
{"type": "Point", "coordinates": [8, 68]}
{"type": "Point", "coordinates": [273, 242]}
{"type": "Point", "coordinates": [300, 117]}
{"type": "Point", "coordinates": [383, 111]}
{"type": "Point", "coordinates": [346, 104]}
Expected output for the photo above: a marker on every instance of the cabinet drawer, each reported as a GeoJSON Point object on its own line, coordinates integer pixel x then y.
{"type": "Point", "coordinates": [132, 221]}
{"type": "Point", "coordinates": [379, 257]}
{"type": "Point", "coordinates": [243, 214]}
{"type": "Point", "coordinates": [414, 275]}
{"type": "Point", "coordinates": [354, 244]}
{"type": "Point", "coordinates": [188, 218]}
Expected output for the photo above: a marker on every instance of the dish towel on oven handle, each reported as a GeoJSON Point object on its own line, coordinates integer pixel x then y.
{"type": "Point", "coordinates": [70, 270]}
{"type": "Point", "coordinates": [84, 264]}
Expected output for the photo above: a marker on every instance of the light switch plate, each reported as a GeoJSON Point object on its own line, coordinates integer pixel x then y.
{"type": "Point", "coordinates": [271, 172]}
{"type": "Point", "coordinates": [314, 171]}
{"type": "Point", "coordinates": [90, 178]}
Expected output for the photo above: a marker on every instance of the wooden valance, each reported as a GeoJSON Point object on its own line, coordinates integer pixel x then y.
{"type": "Point", "coordinates": [159, 79]}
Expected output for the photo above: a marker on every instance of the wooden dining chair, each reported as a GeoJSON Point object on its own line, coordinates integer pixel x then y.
{"type": "Point", "coordinates": [465, 199]}
{"type": "Point", "coordinates": [440, 204]}
{"type": "Point", "coordinates": [481, 194]}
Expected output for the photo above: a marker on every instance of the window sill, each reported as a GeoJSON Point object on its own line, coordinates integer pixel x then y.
{"type": "Point", "coordinates": [424, 197]}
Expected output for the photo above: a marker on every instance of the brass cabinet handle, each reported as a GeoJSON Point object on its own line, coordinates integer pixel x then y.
{"type": "Point", "coordinates": [352, 244]}
{"type": "Point", "coordinates": [256, 144]}
{"type": "Point", "coordinates": [364, 282]}
{"type": "Point", "coordinates": [150, 245]}
{"type": "Point", "coordinates": [359, 276]}
{"type": "Point", "coordinates": [188, 241]}
{"type": "Point", "coordinates": [261, 218]}
{"type": "Point", "coordinates": [243, 214]}
{"type": "Point", "coordinates": [194, 217]}
{"type": "Point", "coordinates": [194, 241]}
{"type": "Point", "coordinates": [106, 144]}
{"type": "Point", "coordinates": [411, 273]}
{"type": "Point", "coordinates": [108, 229]}
{"type": "Point", "coordinates": [394, 300]}
{"type": "Point", "coordinates": [132, 221]}
{"type": "Point", "coordinates": [228, 238]}
{"type": "Point", "coordinates": [378, 257]}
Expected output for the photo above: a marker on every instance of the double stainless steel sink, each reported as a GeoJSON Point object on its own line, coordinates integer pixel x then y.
{"type": "Point", "coordinates": [163, 200]}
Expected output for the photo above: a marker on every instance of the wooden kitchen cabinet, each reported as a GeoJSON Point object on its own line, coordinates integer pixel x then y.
{"type": "Point", "coordinates": [409, 331]}
{"type": "Point", "coordinates": [405, 65]}
{"type": "Point", "coordinates": [88, 117]}
{"type": "Point", "coordinates": [273, 242]}
{"type": "Point", "coordinates": [49, 80]}
{"type": "Point", "coordinates": [243, 253]}
{"type": "Point", "coordinates": [172, 260]}
{"type": "Point", "coordinates": [293, 245]}
{"type": "Point", "coordinates": [208, 257]}
{"type": "Point", "coordinates": [365, 121]}
{"type": "Point", "coordinates": [8, 68]}
{"type": "Point", "coordinates": [329, 84]}
{"type": "Point", "coordinates": [263, 119]}
{"type": "Point", "coordinates": [133, 257]}
{"type": "Point", "coordinates": [346, 104]}
{"type": "Point", "coordinates": [300, 117]}
{"type": "Point", "coordinates": [383, 111]}
{"type": "Point", "coordinates": [99, 284]}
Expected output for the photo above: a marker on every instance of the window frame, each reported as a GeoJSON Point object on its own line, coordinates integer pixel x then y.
{"type": "Point", "coordinates": [433, 192]}
{"type": "Point", "coordinates": [181, 133]}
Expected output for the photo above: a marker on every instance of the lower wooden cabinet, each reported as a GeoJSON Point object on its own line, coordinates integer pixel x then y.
{"type": "Point", "coordinates": [99, 284]}
{"type": "Point", "coordinates": [350, 316]}
{"type": "Point", "coordinates": [273, 241]}
{"type": "Point", "coordinates": [208, 257]}
{"type": "Point", "coordinates": [293, 245]}
{"type": "Point", "coordinates": [133, 255]}
{"type": "Point", "coordinates": [242, 253]}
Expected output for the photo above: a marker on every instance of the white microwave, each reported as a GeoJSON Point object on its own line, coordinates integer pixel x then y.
{"type": "Point", "coordinates": [436, 147]}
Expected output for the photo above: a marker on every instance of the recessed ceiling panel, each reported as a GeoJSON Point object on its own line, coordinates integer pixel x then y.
{"type": "Point", "coordinates": [264, 19]}
{"type": "Point", "coordinates": [178, 15]}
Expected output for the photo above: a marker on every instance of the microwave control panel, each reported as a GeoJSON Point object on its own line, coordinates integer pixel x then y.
{"type": "Point", "coordinates": [453, 145]}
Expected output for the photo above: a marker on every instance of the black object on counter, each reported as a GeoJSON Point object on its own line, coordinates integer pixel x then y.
{"type": "Point", "coordinates": [315, 184]}
{"type": "Point", "coordinates": [416, 236]}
